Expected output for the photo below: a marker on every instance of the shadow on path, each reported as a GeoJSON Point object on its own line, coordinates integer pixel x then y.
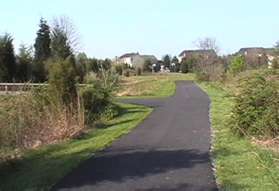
{"type": "Point", "coordinates": [116, 166]}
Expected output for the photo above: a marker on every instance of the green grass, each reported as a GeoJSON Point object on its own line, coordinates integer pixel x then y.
{"type": "Point", "coordinates": [240, 165]}
{"type": "Point", "coordinates": [150, 86]}
{"type": "Point", "coordinates": [40, 169]}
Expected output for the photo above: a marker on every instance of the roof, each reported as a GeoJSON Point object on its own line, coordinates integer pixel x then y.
{"type": "Point", "coordinates": [199, 51]}
{"type": "Point", "coordinates": [252, 49]}
{"type": "Point", "coordinates": [128, 55]}
{"type": "Point", "coordinates": [258, 50]}
{"type": "Point", "coordinates": [151, 57]}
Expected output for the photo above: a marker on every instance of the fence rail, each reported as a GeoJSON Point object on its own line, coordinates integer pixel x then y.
{"type": "Point", "coordinates": [22, 87]}
{"type": "Point", "coordinates": [14, 87]}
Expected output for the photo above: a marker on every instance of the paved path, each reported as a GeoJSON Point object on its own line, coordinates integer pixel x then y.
{"type": "Point", "coordinates": [168, 151]}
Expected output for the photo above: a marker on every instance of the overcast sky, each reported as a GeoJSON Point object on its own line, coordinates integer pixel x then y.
{"type": "Point", "coordinates": [110, 28]}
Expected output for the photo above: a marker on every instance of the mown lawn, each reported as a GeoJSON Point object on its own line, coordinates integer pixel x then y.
{"type": "Point", "coordinates": [42, 168]}
{"type": "Point", "coordinates": [240, 164]}
{"type": "Point", "coordinates": [155, 85]}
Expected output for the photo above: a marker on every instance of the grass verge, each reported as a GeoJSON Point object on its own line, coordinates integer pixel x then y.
{"type": "Point", "coordinates": [41, 169]}
{"type": "Point", "coordinates": [240, 164]}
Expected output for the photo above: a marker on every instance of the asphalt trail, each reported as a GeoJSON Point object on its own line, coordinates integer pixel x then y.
{"type": "Point", "coordinates": [168, 151]}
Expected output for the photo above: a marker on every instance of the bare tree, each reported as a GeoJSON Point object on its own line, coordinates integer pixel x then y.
{"type": "Point", "coordinates": [207, 44]}
{"type": "Point", "coordinates": [63, 29]}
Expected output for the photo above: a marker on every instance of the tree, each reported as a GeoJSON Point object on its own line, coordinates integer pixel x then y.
{"type": "Point", "coordinates": [42, 51]}
{"type": "Point", "coordinates": [147, 66]}
{"type": "Point", "coordinates": [64, 42]}
{"type": "Point", "coordinates": [187, 65]}
{"type": "Point", "coordinates": [207, 44]}
{"type": "Point", "coordinates": [24, 61]}
{"type": "Point", "coordinates": [7, 59]}
{"type": "Point", "coordinates": [81, 66]}
{"type": "Point", "coordinates": [60, 46]}
{"type": "Point", "coordinates": [184, 66]}
{"type": "Point", "coordinates": [93, 65]}
{"type": "Point", "coordinates": [176, 63]}
{"type": "Point", "coordinates": [62, 81]}
{"type": "Point", "coordinates": [63, 38]}
{"type": "Point", "coordinates": [167, 61]}
{"type": "Point", "coordinates": [105, 64]}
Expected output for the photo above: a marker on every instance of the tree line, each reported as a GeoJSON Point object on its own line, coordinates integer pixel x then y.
{"type": "Point", "coordinates": [52, 43]}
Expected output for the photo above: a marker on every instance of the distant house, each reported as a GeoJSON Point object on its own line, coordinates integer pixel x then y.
{"type": "Point", "coordinates": [258, 56]}
{"type": "Point", "coordinates": [135, 59]}
{"type": "Point", "coordinates": [196, 54]}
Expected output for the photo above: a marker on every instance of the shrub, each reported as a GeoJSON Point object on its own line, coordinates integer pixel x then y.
{"type": "Point", "coordinates": [184, 67]}
{"type": "Point", "coordinates": [202, 76]}
{"type": "Point", "coordinates": [62, 81]}
{"type": "Point", "coordinates": [256, 111]}
{"type": "Point", "coordinates": [138, 71]}
{"type": "Point", "coordinates": [275, 64]}
{"type": "Point", "coordinates": [95, 99]}
{"type": "Point", "coordinates": [187, 65]}
{"type": "Point", "coordinates": [147, 65]}
{"type": "Point", "coordinates": [127, 73]}
{"type": "Point", "coordinates": [110, 111]}
{"type": "Point", "coordinates": [177, 67]}
{"type": "Point", "coordinates": [237, 65]}
{"type": "Point", "coordinates": [119, 69]}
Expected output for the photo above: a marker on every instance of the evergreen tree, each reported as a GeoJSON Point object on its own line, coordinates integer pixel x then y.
{"type": "Point", "coordinates": [24, 61]}
{"type": "Point", "coordinates": [63, 38]}
{"type": "Point", "coordinates": [147, 66]}
{"type": "Point", "coordinates": [59, 44]}
{"type": "Point", "coordinates": [81, 66]}
{"type": "Point", "coordinates": [7, 59]}
{"type": "Point", "coordinates": [42, 51]}
{"type": "Point", "coordinates": [177, 64]}
{"type": "Point", "coordinates": [167, 61]}
{"type": "Point", "coordinates": [62, 81]}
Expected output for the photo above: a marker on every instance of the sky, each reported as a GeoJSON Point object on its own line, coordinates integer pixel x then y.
{"type": "Point", "coordinates": [109, 28]}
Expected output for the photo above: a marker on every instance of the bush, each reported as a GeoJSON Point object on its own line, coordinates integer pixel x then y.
{"type": "Point", "coordinates": [275, 64]}
{"type": "Point", "coordinates": [119, 69]}
{"type": "Point", "coordinates": [110, 111]}
{"type": "Point", "coordinates": [138, 71]}
{"type": "Point", "coordinates": [177, 67]}
{"type": "Point", "coordinates": [187, 65]}
{"type": "Point", "coordinates": [256, 111]}
{"type": "Point", "coordinates": [202, 76]}
{"type": "Point", "coordinates": [147, 65]}
{"type": "Point", "coordinates": [127, 73]}
{"type": "Point", "coordinates": [96, 98]}
{"type": "Point", "coordinates": [237, 65]}
{"type": "Point", "coordinates": [184, 67]}
{"type": "Point", "coordinates": [62, 81]}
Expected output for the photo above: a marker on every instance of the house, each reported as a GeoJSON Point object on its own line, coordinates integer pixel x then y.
{"type": "Point", "coordinates": [207, 54]}
{"type": "Point", "coordinates": [258, 56]}
{"type": "Point", "coordinates": [135, 59]}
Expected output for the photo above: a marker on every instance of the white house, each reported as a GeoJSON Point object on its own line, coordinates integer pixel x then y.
{"type": "Point", "coordinates": [135, 59]}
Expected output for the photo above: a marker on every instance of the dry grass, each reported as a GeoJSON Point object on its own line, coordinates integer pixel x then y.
{"type": "Point", "coordinates": [267, 143]}
{"type": "Point", "coordinates": [33, 119]}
